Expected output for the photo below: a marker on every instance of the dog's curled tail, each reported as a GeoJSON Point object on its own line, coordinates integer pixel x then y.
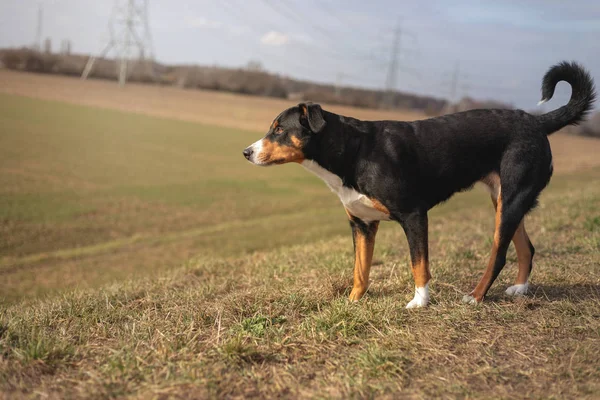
{"type": "Point", "coordinates": [582, 96]}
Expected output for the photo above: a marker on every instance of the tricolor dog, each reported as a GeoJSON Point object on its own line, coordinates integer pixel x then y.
{"type": "Point", "coordinates": [397, 171]}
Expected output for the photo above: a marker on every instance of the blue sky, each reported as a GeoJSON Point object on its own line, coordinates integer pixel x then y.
{"type": "Point", "coordinates": [502, 48]}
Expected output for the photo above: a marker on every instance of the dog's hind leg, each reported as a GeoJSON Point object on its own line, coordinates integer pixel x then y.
{"type": "Point", "coordinates": [525, 252]}
{"type": "Point", "coordinates": [513, 202]}
{"type": "Point", "coordinates": [523, 246]}
{"type": "Point", "coordinates": [416, 228]}
{"type": "Point", "coordinates": [503, 233]}
{"type": "Point", "coordinates": [363, 237]}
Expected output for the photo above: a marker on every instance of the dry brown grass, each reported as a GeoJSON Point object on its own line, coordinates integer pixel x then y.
{"type": "Point", "coordinates": [277, 323]}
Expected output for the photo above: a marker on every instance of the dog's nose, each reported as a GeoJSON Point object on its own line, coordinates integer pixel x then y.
{"type": "Point", "coordinates": [248, 152]}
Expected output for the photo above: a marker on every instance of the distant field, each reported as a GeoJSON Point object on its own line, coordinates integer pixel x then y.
{"type": "Point", "coordinates": [90, 195]}
{"type": "Point", "coordinates": [211, 108]}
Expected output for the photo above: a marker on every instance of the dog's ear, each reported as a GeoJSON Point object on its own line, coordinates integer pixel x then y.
{"type": "Point", "coordinates": [314, 116]}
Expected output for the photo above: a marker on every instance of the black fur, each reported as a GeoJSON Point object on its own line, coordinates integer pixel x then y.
{"type": "Point", "coordinates": [416, 165]}
{"type": "Point", "coordinates": [314, 117]}
{"type": "Point", "coordinates": [582, 97]}
{"type": "Point", "coordinates": [361, 226]}
{"type": "Point", "coordinates": [364, 229]}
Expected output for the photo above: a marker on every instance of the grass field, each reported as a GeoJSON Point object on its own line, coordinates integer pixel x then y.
{"type": "Point", "coordinates": [141, 256]}
{"type": "Point", "coordinates": [89, 195]}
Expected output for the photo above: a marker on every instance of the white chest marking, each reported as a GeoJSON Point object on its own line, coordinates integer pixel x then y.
{"type": "Point", "coordinates": [356, 203]}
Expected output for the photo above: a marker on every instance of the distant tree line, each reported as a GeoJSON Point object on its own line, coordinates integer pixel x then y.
{"type": "Point", "coordinates": [252, 80]}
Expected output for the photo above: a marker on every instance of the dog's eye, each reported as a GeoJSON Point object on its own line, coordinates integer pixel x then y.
{"type": "Point", "coordinates": [278, 131]}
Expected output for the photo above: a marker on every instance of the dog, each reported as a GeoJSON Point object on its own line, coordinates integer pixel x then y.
{"type": "Point", "coordinates": [397, 171]}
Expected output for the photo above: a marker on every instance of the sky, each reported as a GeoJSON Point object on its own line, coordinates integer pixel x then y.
{"type": "Point", "coordinates": [495, 49]}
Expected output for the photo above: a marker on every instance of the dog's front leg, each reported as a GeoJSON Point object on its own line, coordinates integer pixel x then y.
{"type": "Point", "coordinates": [416, 229]}
{"type": "Point", "coordinates": [363, 236]}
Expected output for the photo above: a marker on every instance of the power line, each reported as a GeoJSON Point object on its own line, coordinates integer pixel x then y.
{"type": "Point", "coordinates": [331, 13]}
{"type": "Point", "coordinates": [259, 27]}
{"type": "Point", "coordinates": [294, 17]}
{"type": "Point", "coordinates": [328, 35]}
{"type": "Point", "coordinates": [332, 51]}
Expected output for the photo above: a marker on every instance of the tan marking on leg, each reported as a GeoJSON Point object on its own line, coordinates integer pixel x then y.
{"type": "Point", "coordinates": [484, 283]}
{"type": "Point", "coordinates": [521, 242]}
{"type": "Point", "coordinates": [421, 272]}
{"type": "Point", "coordinates": [363, 248]}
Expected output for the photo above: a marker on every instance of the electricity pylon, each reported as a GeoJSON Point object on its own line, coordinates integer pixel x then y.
{"type": "Point", "coordinates": [129, 30]}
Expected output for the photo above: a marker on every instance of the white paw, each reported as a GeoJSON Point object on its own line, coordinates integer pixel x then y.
{"type": "Point", "coordinates": [468, 299]}
{"type": "Point", "coordinates": [518, 289]}
{"type": "Point", "coordinates": [421, 298]}
{"type": "Point", "coordinates": [417, 303]}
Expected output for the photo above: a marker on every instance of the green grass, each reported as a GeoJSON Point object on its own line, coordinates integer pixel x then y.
{"type": "Point", "coordinates": [198, 275]}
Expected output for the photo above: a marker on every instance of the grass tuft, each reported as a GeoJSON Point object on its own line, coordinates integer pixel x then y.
{"type": "Point", "coordinates": [592, 224]}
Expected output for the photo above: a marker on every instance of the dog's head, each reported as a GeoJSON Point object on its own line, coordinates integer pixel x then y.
{"type": "Point", "coordinates": [289, 136]}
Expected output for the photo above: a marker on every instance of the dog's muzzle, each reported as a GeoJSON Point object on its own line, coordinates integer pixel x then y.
{"type": "Point", "coordinates": [252, 152]}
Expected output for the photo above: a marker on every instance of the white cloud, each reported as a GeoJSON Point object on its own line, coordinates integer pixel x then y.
{"type": "Point", "coordinates": [275, 39]}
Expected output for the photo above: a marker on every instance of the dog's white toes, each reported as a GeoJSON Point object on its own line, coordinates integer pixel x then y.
{"type": "Point", "coordinates": [468, 299]}
{"type": "Point", "coordinates": [417, 302]}
{"type": "Point", "coordinates": [421, 297]}
{"type": "Point", "coordinates": [518, 289]}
